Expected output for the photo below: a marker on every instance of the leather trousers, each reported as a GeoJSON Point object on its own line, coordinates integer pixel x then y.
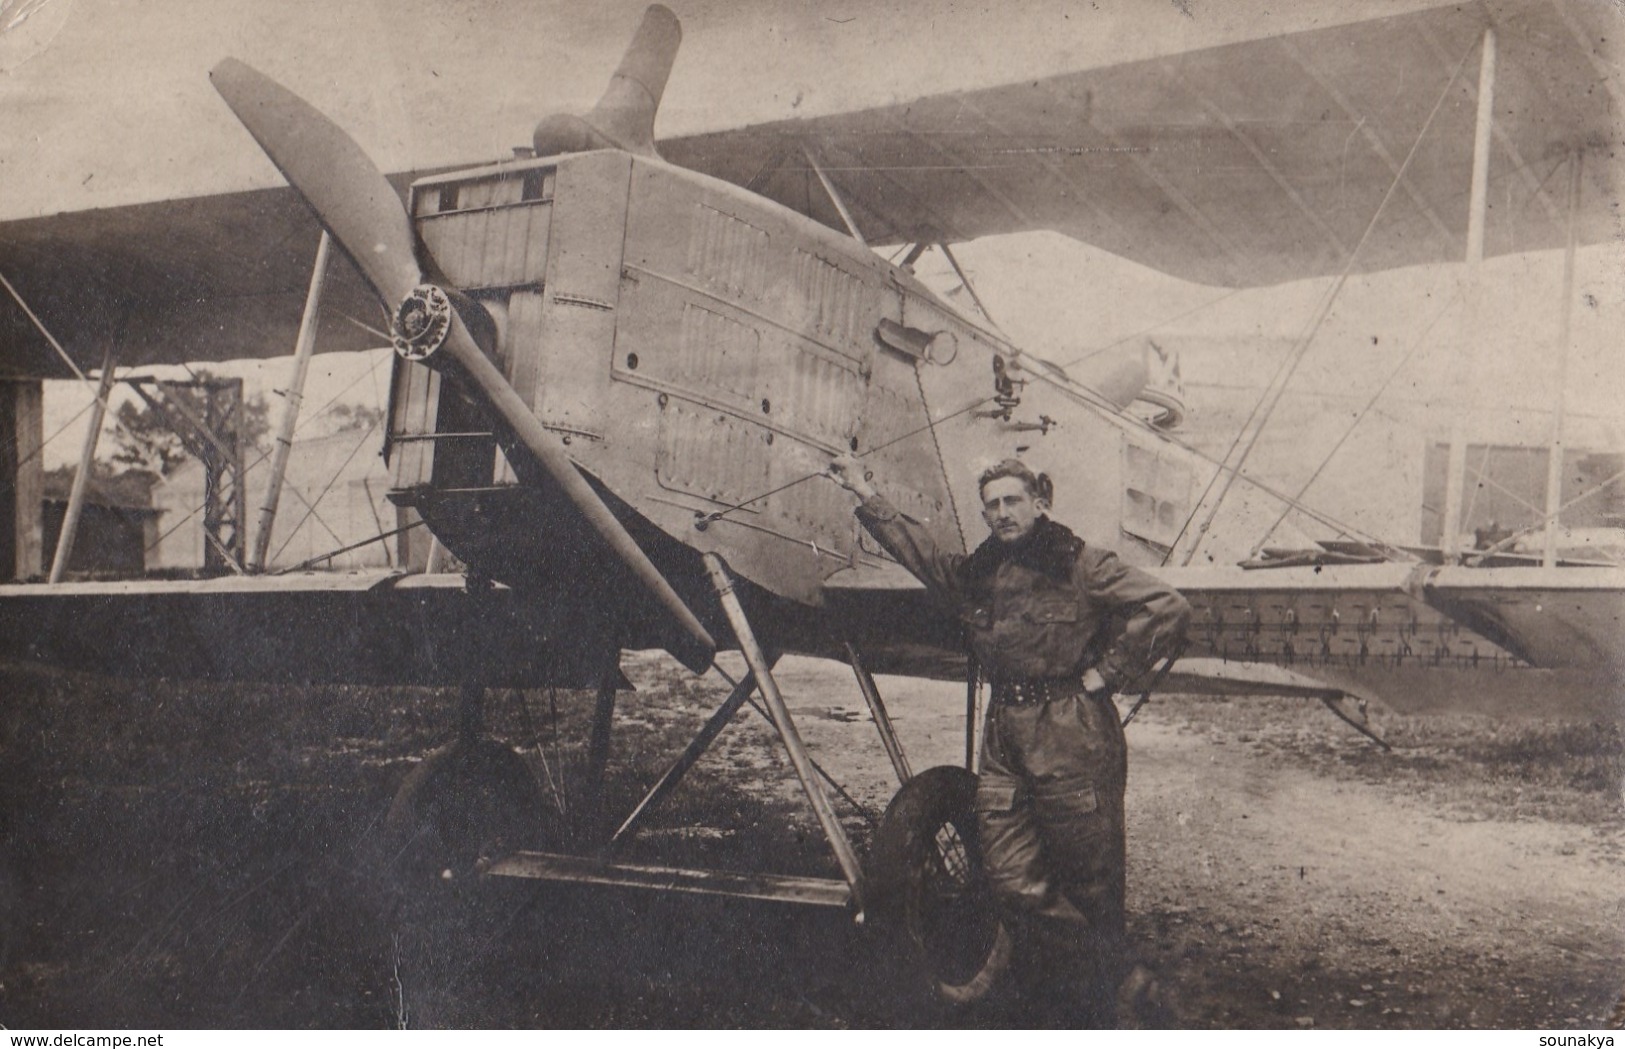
{"type": "Point", "coordinates": [1049, 804]}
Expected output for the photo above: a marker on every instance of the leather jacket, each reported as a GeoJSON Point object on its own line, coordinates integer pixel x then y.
{"type": "Point", "coordinates": [1049, 606]}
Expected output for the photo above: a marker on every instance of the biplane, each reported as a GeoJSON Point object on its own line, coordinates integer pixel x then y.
{"type": "Point", "coordinates": [623, 363]}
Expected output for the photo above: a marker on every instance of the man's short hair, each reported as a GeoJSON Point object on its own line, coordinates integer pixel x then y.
{"type": "Point", "coordinates": [1038, 486]}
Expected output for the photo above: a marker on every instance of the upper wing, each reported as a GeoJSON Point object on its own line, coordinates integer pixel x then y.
{"type": "Point", "coordinates": [1246, 164]}
{"type": "Point", "coordinates": [207, 278]}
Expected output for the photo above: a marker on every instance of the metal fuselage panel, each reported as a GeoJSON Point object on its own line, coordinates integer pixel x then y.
{"type": "Point", "coordinates": [704, 350]}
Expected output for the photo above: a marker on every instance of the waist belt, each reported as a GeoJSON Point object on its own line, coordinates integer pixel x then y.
{"type": "Point", "coordinates": [1024, 691]}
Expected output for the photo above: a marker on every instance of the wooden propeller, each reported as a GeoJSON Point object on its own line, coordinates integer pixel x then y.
{"type": "Point", "coordinates": [359, 207]}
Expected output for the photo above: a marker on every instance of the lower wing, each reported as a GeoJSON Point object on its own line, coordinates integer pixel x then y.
{"type": "Point", "coordinates": [1420, 638]}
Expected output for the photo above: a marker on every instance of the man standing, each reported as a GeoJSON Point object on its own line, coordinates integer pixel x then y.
{"type": "Point", "coordinates": [1056, 626]}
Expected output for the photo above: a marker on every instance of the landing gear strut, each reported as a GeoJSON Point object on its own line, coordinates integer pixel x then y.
{"type": "Point", "coordinates": [477, 812]}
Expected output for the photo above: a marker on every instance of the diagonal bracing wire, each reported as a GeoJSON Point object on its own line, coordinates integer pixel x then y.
{"type": "Point", "coordinates": [1416, 347]}
{"type": "Point", "coordinates": [266, 454]}
{"type": "Point", "coordinates": [1289, 366]}
{"type": "Point", "coordinates": [1097, 351]}
{"type": "Point", "coordinates": [1505, 544]}
{"type": "Point", "coordinates": [310, 506]}
{"type": "Point", "coordinates": [83, 378]}
{"type": "Point", "coordinates": [931, 424]}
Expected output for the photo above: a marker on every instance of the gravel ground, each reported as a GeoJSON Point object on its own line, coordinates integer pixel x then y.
{"type": "Point", "coordinates": [181, 856]}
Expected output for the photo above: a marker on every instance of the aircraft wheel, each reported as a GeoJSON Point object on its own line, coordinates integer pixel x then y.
{"type": "Point", "coordinates": [449, 928]}
{"type": "Point", "coordinates": [930, 889]}
{"type": "Point", "coordinates": [467, 803]}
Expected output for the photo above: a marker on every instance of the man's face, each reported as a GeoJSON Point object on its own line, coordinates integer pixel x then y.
{"type": "Point", "coordinates": [1009, 509]}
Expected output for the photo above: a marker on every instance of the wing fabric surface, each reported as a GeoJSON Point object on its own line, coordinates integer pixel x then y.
{"type": "Point", "coordinates": [210, 278]}
{"type": "Point", "coordinates": [1430, 638]}
{"type": "Point", "coordinates": [1241, 165]}
{"type": "Point", "coordinates": [373, 628]}
{"type": "Point", "coordinates": [1417, 637]}
{"type": "Point", "coordinates": [1246, 164]}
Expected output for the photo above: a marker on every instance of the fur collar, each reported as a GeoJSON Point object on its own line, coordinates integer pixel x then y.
{"type": "Point", "coordinates": [1050, 548]}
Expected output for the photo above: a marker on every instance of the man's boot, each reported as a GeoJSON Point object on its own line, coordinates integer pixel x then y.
{"type": "Point", "coordinates": [1078, 985]}
{"type": "Point", "coordinates": [1142, 1002]}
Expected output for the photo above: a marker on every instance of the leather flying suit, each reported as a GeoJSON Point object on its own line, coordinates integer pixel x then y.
{"type": "Point", "coordinates": [1050, 794]}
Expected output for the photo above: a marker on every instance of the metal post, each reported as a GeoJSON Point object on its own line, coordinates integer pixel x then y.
{"type": "Point", "coordinates": [1456, 466]}
{"type": "Point", "coordinates": [799, 759]}
{"type": "Point", "coordinates": [239, 472]}
{"type": "Point", "coordinates": [81, 480]}
{"type": "Point", "coordinates": [304, 347]}
{"type": "Point", "coordinates": [223, 503]}
{"type": "Point", "coordinates": [877, 710]}
{"type": "Point", "coordinates": [696, 749]}
{"type": "Point", "coordinates": [1554, 462]}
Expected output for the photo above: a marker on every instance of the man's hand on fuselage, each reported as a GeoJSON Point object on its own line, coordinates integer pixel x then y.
{"type": "Point", "coordinates": [846, 471]}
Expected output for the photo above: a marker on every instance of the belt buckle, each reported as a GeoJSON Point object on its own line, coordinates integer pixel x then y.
{"type": "Point", "coordinates": [1023, 692]}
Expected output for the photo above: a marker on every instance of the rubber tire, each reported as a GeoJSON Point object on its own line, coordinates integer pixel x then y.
{"type": "Point", "coordinates": [961, 953]}
{"type": "Point", "coordinates": [465, 803]}
{"type": "Point", "coordinates": [450, 927]}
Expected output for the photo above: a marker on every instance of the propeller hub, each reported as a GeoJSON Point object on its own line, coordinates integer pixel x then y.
{"type": "Point", "coordinates": [421, 322]}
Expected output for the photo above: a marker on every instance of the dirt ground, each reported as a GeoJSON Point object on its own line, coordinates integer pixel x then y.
{"type": "Point", "coordinates": [178, 856]}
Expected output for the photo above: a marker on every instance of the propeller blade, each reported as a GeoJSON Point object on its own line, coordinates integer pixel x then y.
{"type": "Point", "coordinates": [337, 180]}
{"type": "Point", "coordinates": [490, 385]}
{"type": "Point", "coordinates": [358, 206]}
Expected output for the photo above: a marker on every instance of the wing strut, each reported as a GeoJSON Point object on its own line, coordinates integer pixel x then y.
{"type": "Point", "coordinates": [1477, 199]}
{"type": "Point", "coordinates": [834, 195]}
{"type": "Point", "coordinates": [1186, 543]}
{"type": "Point", "coordinates": [970, 288]}
{"type": "Point", "coordinates": [304, 347]}
{"type": "Point", "coordinates": [1554, 458]}
{"type": "Point", "coordinates": [81, 480]}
